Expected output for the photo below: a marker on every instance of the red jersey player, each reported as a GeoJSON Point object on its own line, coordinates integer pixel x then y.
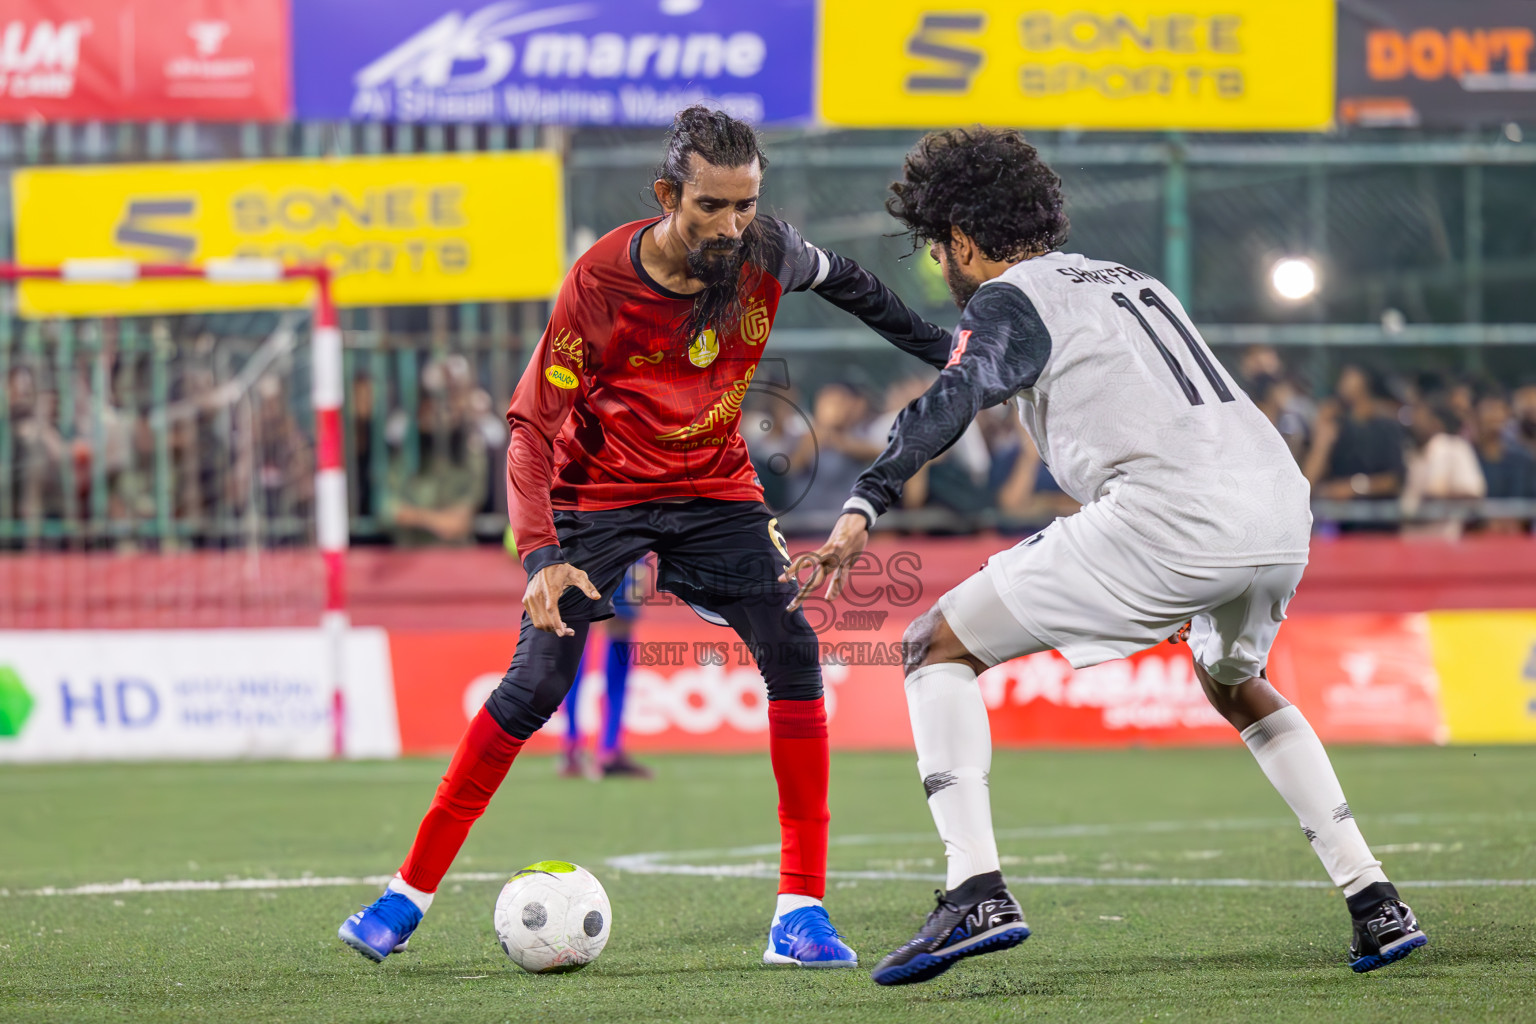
{"type": "Point", "coordinates": [624, 441]}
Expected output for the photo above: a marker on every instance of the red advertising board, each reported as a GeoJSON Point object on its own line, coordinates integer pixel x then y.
{"type": "Point", "coordinates": [133, 60]}
{"type": "Point", "coordinates": [1360, 678]}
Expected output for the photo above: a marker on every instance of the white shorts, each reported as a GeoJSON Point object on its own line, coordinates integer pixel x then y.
{"type": "Point", "coordinates": [1093, 594]}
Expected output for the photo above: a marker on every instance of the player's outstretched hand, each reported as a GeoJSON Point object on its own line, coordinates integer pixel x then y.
{"type": "Point", "coordinates": [831, 561]}
{"type": "Point", "coordinates": [542, 598]}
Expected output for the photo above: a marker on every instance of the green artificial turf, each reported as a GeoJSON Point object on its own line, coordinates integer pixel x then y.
{"type": "Point", "coordinates": [687, 947]}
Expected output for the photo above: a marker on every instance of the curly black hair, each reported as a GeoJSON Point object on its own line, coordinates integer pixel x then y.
{"type": "Point", "coordinates": [989, 183]}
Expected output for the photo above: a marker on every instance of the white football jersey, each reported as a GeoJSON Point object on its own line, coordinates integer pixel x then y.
{"type": "Point", "coordinates": [1138, 421]}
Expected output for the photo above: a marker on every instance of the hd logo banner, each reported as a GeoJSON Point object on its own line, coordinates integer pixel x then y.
{"type": "Point", "coordinates": [423, 229]}
{"type": "Point", "coordinates": [615, 62]}
{"type": "Point", "coordinates": [1207, 65]}
{"type": "Point", "coordinates": [128, 694]}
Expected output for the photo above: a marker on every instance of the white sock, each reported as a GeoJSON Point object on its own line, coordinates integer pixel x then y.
{"type": "Point", "coordinates": [1298, 767]}
{"type": "Point", "coordinates": [954, 755]}
{"type": "Point", "coordinates": [789, 901]}
{"type": "Point", "coordinates": [423, 900]}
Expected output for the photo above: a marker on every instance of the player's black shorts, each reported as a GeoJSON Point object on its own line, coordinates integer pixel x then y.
{"type": "Point", "coordinates": [722, 557]}
{"type": "Point", "coordinates": [706, 550]}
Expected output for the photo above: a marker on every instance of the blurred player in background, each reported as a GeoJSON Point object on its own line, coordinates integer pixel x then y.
{"type": "Point", "coordinates": [624, 441]}
{"type": "Point", "coordinates": [612, 760]}
{"type": "Point", "coordinates": [1194, 509]}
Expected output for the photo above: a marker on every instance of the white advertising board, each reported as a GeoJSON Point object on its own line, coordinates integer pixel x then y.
{"type": "Point", "coordinates": [80, 695]}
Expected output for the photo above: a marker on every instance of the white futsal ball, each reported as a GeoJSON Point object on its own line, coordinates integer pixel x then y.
{"type": "Point", "coordinates": [553, 917]}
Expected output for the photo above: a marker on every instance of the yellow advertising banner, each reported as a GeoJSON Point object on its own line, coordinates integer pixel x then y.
{"type": "Point", "coordinates": [1207, 65]}
{"type": "Point", "coordinates": [394, 230]}
{"type": "Point", "coordinates": [1487, 666]}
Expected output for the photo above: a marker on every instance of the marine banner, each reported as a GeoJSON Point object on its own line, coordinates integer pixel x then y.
{"type": "Point", "coordinates": [419, 229]}
{"type": "Point", "coordinates": [1413, 63]}
{"type": "Point", "coordinates": [601, 62]}
{"type": "Point", "coordinates": [143, 60]}
{"type": "Point", "coordinates": [1208, 65]}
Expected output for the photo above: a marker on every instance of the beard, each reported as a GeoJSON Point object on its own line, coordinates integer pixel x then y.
{"type": "Point", "coordinates": [961, 288]}
{"type": "Point", "coordinates": [718, 263]}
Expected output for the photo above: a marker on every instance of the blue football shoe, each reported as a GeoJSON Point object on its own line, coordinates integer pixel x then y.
{"type": "Point", "coordinates": [381, 928]}
{"type": "Point", "coordinates": [1385, 929]}
{"type": "Point", "coordinates": [958, 927]}
{"type": "Point", "coordinates": [805, 937]}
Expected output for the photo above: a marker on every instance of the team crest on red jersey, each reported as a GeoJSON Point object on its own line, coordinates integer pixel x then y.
{"type": "Point", "coordinates": [704, 349]}
{"type": "Point", "coordinates": [755, 323]}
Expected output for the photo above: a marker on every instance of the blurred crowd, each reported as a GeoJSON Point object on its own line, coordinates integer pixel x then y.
{"type": "Point", "coordinates": [213, 455]}
{"type": "Point", "coordinates": [207, 454]}
{"type": "Point", "coordinates": [443, 470]}
{"type": "Point", "coordinates": [809, 454]}
{"type": "Point", "coordinates": [1434, 445]}
{"type": "Point", "coordinates": [1416, 453]}
{"type": "Point", "coordinates": [173, 450]}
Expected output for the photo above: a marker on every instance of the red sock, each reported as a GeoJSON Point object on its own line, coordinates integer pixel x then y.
{"type": "Point", "coordinates": [797, 743]}
{"type": "Point", "coordinates": [481, 762]}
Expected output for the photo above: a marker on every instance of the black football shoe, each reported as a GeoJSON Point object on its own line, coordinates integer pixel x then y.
{"type": "Point", "coordinates": [981, 916]}
{"type": "Point", "coordinates": [1385, 929]}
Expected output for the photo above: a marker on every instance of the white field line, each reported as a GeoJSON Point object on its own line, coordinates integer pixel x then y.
{"type": "Point", "coordinates": [760, 870]}
{"type": "Point", "coordinates": [682, 863]}
{"type": "Point", "coordinates": [133, 885]}
{"type": "Point", "coordinates": [685, 863]}
{"type": "Point", "coordinates": [130, 886]}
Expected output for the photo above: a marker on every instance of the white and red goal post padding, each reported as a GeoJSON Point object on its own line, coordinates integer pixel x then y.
{"type": "Point", "coordinates": [327, 378]}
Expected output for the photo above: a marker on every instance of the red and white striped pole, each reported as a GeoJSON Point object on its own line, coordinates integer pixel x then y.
{"type": "Point", "coordinates": [328, 380]}
{"type": "Point", "coordinates": [331, 496]}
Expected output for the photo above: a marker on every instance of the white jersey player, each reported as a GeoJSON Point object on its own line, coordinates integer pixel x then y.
{"type": "Point", "coordinates": [1193, 512]}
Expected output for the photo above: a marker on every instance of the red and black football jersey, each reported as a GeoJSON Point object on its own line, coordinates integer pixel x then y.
{"type": "Point", "coordinates": [614, 409]}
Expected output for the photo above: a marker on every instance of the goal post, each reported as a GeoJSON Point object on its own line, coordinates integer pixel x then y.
{"type": "Point", "coordinates": [326, 394]}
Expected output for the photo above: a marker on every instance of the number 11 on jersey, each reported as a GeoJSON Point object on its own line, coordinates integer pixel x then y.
{"type": "Point", "coordinates": [1202, 358]}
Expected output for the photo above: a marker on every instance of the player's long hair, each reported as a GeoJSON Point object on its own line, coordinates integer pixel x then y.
{"type": "Point", "coordinates": [989, 183]}
{"type": "Point", "coordinates": [724, 141]}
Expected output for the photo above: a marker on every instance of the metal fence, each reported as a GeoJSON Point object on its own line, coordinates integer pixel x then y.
{"type": "Point", "coordinates": [1427, 247]}
{"type": "Point", "coordinates": [166, 432]}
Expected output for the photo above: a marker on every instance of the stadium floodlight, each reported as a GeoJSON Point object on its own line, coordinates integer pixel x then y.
{"type": "Point", "coordinates": [1294, 278]}
{"type": "Point", "coordinates": [327, 377]}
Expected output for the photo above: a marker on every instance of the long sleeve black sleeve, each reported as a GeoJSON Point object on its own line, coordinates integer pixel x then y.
{"type": "Point", "coordinates": [855, 290]}
{"type": "Point", "coordinates": [800, 266]}
{"type": "Point", "coordinates": [1001, 346]}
